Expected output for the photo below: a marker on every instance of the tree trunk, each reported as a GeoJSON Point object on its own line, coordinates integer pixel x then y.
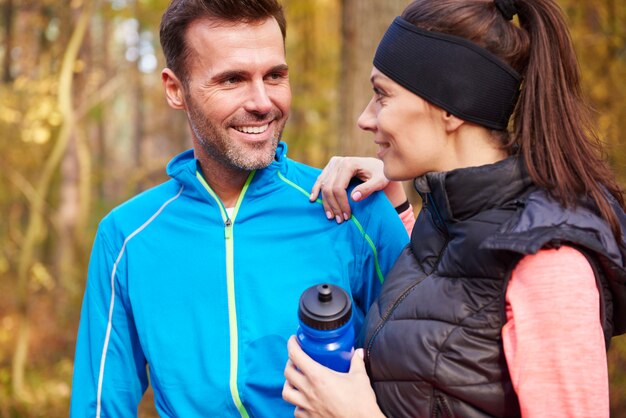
{"type": "Point", "coordinates": [363, 24]}
{"type": "Point", "coordinates": [102, 60]}
{"type": "Point", "coordinates": [138, 125]}
{"type": "Point", "coordinates": [137, 105]}
{"type": "Point", "coordinates": [7, 77]}
{"type": "Point", "coordinates": [67, 215]}
{"type": "Point", "coordinates": [28, 252]}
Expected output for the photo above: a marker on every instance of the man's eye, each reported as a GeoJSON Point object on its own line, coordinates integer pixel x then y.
{"type": "Point", "coordinates": [275, 76]}
{"type": "Point", "coordinates": [231, 80]}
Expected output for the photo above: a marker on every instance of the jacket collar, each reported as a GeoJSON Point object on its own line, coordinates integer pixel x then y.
{"type": "Point", "coordinates": [183, 167]}
{"type": "Point", "coordinates": [462, 193]}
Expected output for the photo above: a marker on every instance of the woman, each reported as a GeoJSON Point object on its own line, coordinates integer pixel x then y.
{"type": "Point", "coordinates": [506, 298]}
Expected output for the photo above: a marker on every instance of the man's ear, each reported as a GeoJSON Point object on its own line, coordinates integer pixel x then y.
{"type": "Point", "coordinates": [451, 122]}
{"type": "Point", "coordinates": [173, 88]}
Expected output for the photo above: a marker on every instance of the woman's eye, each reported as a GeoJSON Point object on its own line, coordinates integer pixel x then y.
{"type": "Point", "coordinates": [378, 94]}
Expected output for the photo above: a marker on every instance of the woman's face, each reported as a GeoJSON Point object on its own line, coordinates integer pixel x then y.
{"type": "Point", "coordinates": [410, 132]}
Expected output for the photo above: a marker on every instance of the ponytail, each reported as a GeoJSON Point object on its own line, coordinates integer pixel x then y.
{"type": "Point", "coordinates": [552, 125]}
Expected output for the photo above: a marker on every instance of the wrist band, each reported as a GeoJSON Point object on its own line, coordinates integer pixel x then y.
{"type": "Point", "coordinates": [403, 206]}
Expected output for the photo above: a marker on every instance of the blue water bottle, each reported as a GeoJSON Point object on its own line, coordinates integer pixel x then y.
{"type": "Point", "coordinates": [326, 333]}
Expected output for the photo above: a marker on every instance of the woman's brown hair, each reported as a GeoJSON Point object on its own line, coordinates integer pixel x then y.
{"type": "Point", "coordinates": [551, 126]}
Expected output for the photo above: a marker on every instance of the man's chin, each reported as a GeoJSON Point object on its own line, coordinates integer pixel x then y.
{"type": "Point", "coordinates": [259, 157]}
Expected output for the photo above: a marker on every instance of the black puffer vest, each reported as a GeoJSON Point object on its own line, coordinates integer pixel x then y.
{"type": "Point", "coordinates": [432, 339]}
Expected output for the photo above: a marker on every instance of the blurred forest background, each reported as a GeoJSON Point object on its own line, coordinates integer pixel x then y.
{"type": "Point", "coordinates": [84, 125]}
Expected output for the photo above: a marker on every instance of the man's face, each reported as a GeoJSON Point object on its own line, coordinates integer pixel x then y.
{"type": "Point", "coordinates": [237, 96]}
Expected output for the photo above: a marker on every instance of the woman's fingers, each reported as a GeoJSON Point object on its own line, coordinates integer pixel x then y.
{"type": "Point", "coordinates": [301, 413]}
{"type": "Point", "coordinates": [320, 182]}
{"type": "Point", "coordinates": [333, 182]}
{"type": "Point", "coordinates": [294, 377]}
{"type": "Point", "coordinates": [297, 387]}
{"type": "Point", "coordinates": [293, 395]}
{"type": "Point", "coordinates": [317, 187]}
{"type": "Point", "coordinates": [299, 359]}
{"type": "Point", "coordinates": [335, 200]}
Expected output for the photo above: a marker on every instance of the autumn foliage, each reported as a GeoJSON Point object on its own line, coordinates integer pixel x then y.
{"type": "Point", "coordinates": [84, 125]}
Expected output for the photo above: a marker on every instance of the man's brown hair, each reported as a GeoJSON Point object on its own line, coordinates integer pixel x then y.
{"type": "Point", "coordinates": [181, 13]}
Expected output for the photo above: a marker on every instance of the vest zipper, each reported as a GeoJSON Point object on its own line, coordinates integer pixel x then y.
{"type": "Point", "coordinates": [384, 317]}
{"type": "Point", "coordinates": [438, 220]}
{"type": "Point", "coordinates": [229, 241]}
{"type": "Point", "coordinates": [441, 408]}
{"type": "Point", "coordinates": [427, 204]}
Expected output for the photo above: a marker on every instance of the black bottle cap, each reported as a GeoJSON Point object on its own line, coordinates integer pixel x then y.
{"type": "Point", "coordinates": [325, 307]}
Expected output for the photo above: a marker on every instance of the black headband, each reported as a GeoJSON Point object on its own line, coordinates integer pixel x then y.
{"type": "Point", "coordinates": [450, 72]}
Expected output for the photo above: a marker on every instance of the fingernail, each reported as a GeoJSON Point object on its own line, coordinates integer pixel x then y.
{"type": "Point", "coordinates": [346, 216]}
{"type": "Point", "coordinates": [338, 219]}
{"type": "Point", "coordinates": [360, 353]}
{"type": "Point", "coordinates": [356, 196]}
{"type": "Point", "coordinates": [329, 215]}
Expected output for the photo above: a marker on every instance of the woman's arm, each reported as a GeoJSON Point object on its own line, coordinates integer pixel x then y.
{"type": "Point", "coordinates": [553, 339]}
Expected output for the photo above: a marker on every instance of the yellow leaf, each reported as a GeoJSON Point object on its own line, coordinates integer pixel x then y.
{"type": "Point", "coordinates": [9, 115]}
{"type": "Point", "coordinates": [4, 264]}
{"type": "Point", "coordinates": [36, 134]}
{"type": "Point", "coordinates": [55, 118]}
{"type": "Point", "coordinates": [41, 278]}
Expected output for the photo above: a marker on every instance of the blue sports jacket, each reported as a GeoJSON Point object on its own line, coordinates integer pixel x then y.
{"type": "Point", "coordinates": [204, 303]}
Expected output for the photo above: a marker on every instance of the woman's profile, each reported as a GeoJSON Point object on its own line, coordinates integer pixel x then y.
{"type": "Point", "coordinates": [506, 299]}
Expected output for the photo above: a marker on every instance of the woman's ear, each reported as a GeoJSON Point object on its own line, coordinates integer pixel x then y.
{"type": "Point", "coordinates": [451, 122]}
{"type": "Point", "coordinates": [173, 89]}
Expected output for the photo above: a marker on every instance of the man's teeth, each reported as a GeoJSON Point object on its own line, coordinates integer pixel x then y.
{"type": "Point", "coordinates": [252, 129]}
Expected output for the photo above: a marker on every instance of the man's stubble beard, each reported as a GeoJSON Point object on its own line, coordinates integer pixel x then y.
{"type": "Point", "coordinates": [219, 146]}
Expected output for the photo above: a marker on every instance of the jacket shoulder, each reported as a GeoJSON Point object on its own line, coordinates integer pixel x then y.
{"type": "Point", "coordinates": [541, 221]}
{"type": "Point", "coordinates": [133, 213]}
{"type": "Point", "coordinates": [301, 174]}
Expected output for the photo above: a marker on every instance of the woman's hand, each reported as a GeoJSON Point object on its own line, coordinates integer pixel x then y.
{"type": "Point", "coordinates": [336, 176]}
{"type": "Point", "coordinates": [318, 391]}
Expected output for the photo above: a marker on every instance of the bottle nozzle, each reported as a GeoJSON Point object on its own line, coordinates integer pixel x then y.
{"type": "Point", "coordinates": [324, 293]}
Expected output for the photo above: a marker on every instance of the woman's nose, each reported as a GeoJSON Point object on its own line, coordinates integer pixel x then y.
{"type": "Point", "coordinates": [367, 119]}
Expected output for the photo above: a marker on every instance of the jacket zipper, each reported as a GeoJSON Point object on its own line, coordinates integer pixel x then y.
{"type": "Point", "coordinates": [438, 221]}
{"type": "Point", "coordinates": [441, 408]}
{"type": "Point", "coordinates": [229, 241]}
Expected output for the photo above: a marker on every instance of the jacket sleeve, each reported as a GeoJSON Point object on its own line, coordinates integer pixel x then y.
{"type": "Point", "coordinates": [109, 366]}
{"type": "Point", "coordinates": [553, 339]}
{"type": "Point", "coordinates": [383, 239]}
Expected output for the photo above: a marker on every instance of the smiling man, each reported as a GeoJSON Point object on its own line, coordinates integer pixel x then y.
{"type": "Point", "coordinates": [235, 89]}
{"type": "Point", "coordinates": [196, 282]}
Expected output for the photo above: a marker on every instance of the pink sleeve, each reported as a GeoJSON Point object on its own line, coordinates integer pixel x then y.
{"type": "Point", "coordinates": [408, 219]}
{"type": "Point", "coordinates": [553, 340]}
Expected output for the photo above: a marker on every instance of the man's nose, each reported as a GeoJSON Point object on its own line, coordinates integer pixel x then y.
{"type": "Point", "coordinates": [258, 100]}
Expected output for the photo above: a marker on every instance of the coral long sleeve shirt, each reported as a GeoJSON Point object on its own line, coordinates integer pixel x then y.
{"type": "Point", "coordinates": [553, 340]}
